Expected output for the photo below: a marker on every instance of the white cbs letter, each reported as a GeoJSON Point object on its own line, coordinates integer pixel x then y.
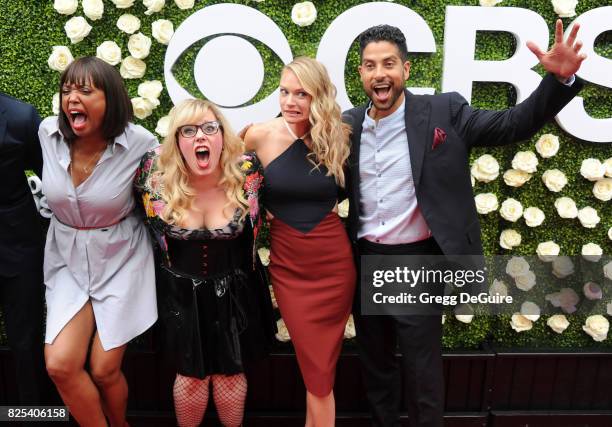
{"type": "Point", "coordinates": [343, 31]}
{"type": "Point", "coordinates": [460, 67]}
{"type": "Point", "coordinates": [596, 69]}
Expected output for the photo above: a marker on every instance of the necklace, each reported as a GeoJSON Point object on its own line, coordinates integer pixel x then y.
{"type": "Point", "coordinates": [293, 134]}
{"type": "Point", "coordinates": [88, 166]}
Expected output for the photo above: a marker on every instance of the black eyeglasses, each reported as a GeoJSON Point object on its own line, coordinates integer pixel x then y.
{"type": "Point", "coordinates": [208, 128]}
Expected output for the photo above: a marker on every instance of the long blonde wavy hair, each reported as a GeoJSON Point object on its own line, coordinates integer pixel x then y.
{"type": "Point", "coordinates": [330, 136]}
{"type": "Point", "coordinates": [173, 172]}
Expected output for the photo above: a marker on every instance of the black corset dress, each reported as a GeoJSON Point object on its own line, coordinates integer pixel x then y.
{"type": "Point", "coordinates": [216, 310]}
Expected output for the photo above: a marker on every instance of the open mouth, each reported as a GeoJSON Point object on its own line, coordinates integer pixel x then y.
{"type": "Point", "coordinates": [77, 119]}
{"type": "Point", "coordinates": [202, 156]}
{"type": "Point", "coordinates": [382, 92]}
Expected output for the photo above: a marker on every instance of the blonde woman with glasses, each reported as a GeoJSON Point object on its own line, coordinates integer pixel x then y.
{"type": "Point", "coordinates": [200, 195]}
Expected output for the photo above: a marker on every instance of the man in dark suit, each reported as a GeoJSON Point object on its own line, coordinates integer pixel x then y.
{"type": "Point", "coordinates": [410, 193]}
{"type": "Point", "coordinates": [21, 245]}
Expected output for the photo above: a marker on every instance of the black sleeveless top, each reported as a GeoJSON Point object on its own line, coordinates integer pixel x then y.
{"type": "Point", "coordinates": [295, 191]}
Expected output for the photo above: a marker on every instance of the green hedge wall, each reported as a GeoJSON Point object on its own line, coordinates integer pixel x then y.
{"type": "Point", "coordinates": [29, 28]}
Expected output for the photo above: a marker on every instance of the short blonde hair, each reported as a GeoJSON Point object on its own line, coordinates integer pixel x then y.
{"type": "Point", "coordinates": [174, 172]}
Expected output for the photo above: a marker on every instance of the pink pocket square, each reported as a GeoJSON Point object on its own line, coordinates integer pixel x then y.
{"type": "Point", "coordinates": [439, 138]}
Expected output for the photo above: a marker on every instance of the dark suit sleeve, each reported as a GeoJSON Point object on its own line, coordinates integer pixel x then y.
{"type": "Point", "coordinates": [32, 143]}
{"type": "Point", "coordinates": [488, 128]}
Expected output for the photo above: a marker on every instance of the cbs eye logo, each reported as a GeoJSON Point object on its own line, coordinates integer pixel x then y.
{"type": "Point", "coordinates": [229, 70]}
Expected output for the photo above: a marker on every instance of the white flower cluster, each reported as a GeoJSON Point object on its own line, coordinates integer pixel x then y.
{"type": "Point", "coordinates": [523, 320]}
{"type": "Point", "coordinates": [518, 268]}
{"type": "Point", "coordinates": [147, 99]}
{"type": "Point", "coordinates": [138, 45]}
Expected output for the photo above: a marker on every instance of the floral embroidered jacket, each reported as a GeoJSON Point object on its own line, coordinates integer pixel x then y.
{"type": "Point", "coordinates": [149, 197]}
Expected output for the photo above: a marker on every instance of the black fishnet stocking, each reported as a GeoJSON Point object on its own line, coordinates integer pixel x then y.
{"type": "Point", "coordinates": [229, 393]}
{"type": "Point", "coordinates": [190, 400]}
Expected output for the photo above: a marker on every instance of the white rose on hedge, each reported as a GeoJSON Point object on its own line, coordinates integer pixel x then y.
{"type": "Point", "coordinates": [525, 282]}
{"type": "Point", "coordinates": [139, 46]}
{"type": "Point", "coordinates": [607, 270]}
{"type": "Point", "coordinates": [485, 168]}
{"type": "Point", "coordinates": [489, 3]}
{"type": "Point", "coordinates": [109, 52]}
{"type": "Point", "coordinates": [588, 217]}
{"type": "Point", "coordinates": [184, 4]}
{"type": "Point", "coordinates": [516, 178]}
{"type": "Point", "coordinates": [610, 233]}
{"type": "Point", "coordinates": [55, 103]}
{"type": "Point", "coordinates": [93, 9]}
{"type": "Point", "coordinates": [547, 145]}
{"type": "Point", "coordinates": [602, 189]}
{"type": "Point", "coordinates": [534, 217]}
{"type": "Point", "coordinates": [608, 165]}
{"type": "Point", "coordinates": [562, 267]}
{"type": "Point", "coordinates": [162, 126]}
{"type": "Point", "coordinates": [132, 68]}
{"type": "Point", "coordinates": [530, 310]}
{"type": "Point", "coordinates": [509, 239]}
{"type": "Point", "coordinates": [343, 208]}
{"type": "Point", "coordinates": [264, 256]}
{"type": "Point", "coordinates": [162, 30]}
{"type": "Point", "coordinates": [60, 58]}
{"type": "Point", "coordinates": [548, 251]}
{"type": "Point", "coordinates": [65, 7]}
{"type": "Point", "coordinates": [592, 291]}
{"type": "Point", "coordinates": [77, 29]}
{"type": "Point", "coordinates": [486, 203]}
{"type": "Point", "coordinates": [272, 296]}
{"type": "Point", "coordinates": [283, 333]}
{"type": "Point", "coordinates": [150, 89]}
{"type": "Point", "coordinates": [525, 161]}
{"type": "Point", "coordinates": [303, 14]}
{"type": "Point", "coordinates": [592, 169]}
{"type": "Point", "coordinates": [123, 4]}
{"type": "Point", "coordinates": [566, 298]}
{"type": "Point", "coordinates": [565, 8]}
{"type": "Point", "coordinates": [554, 180]}
{"type": "Point", "coordinates": [153, 6]}
{"type": "Point", "coordinates": [464, 318]}
{"type": "Point", "coordinates": [511, 210]}
{"type": "Point", "coordinates": [517, 266]}
{"type": "Point", "coordinates": [472, 180]}
{"type": "Point", "coordinates": [349, 328]}
{"type": "Point", "coordinates": [566, 207]}
{"type": "Point", "coordinates": [592, 252]}
{"type": "Point", "coordinates": [498, 288]}
{"type": "Point", "coordinates": [143, 107]}
{"type": "Point", "coordinates": [464, 313]}
{"type": "Point", "coordinates": [558, 323]}
{"type": "Point", "coordinates": [597, 327]}
{"type": "Point", "coordinates": [520, 323]}
{"type": "Point", "coordinates": [128, 23]}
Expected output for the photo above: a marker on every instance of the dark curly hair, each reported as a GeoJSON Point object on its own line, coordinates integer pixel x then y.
{"type": "Point", "coordinates": [384, 33]}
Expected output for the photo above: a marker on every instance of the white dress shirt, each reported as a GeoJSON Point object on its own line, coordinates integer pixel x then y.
{"type": "Point", "coordinates": [388, 213]}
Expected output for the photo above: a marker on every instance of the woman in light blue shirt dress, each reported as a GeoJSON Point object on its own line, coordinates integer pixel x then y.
{"type": "Point", "coordinates": [99, 272]}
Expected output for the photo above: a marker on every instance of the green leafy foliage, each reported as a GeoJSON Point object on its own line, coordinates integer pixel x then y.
{"type": "Point", "coordinates": [30, 28]}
